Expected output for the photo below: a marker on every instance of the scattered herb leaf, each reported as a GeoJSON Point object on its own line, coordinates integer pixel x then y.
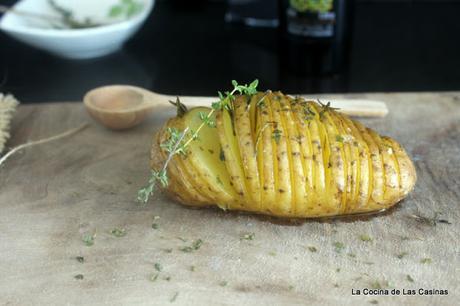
{"type": "Point", "coordinates": [339, 246]}
{"type": "Point", "coordinates": [402, 255]}
{"type": "Point", "coordinates": [88, 239]}
{"type": "Point", "coordinates": [312, 249]}
{"type": "Point", "coordinates": [154, 277]}
{"type": "Point", "coordinates": [158, 267]}
{"type": "Point", "coordinates": [249, 236]}
{"type": "Point", "coordinates": [277, 135]}
{"type": "Point", "coordinates": [118, 232]}
{"type": "Point", "coordinates": [223, 283]}
{"type": "Point", "coordinates": [409, 278]}
{"type": "Point", "coordinates": [155, 225]}
{"type": "Point", "coordinates": [365, 238]}
{"type": "Point", "coordinates": [80, 259]}
{"type": "Point", "coordinates": [79, 276]}
{"type": "Point", "coordinates": [425, 260]}
{"type": "Point", "coordinates": [339, 138]}
{"type": "Point", "coordinates": [173, 299]}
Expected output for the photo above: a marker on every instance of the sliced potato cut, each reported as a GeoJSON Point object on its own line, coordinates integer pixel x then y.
{"type": "Point", "coordinates": [203, 155]}
{"type": "Point", "coordinates": [178, 173]}
{"type": "Point", "coordinates": [319, 197]}
{"type": "Point", "coordinates": [242, 123]}
{"type": "Point", "coordinates": [232, 159]}
{"type": "Point", "coordinates": [266, 155]}
{"type": "Point", "coordinates": [350, 153]}
{"type": "Point", "coordinates": [335, 165]}
{"type": "Point", "coordinates": [390, 170]}
{"type": "Point", "coordinates": [407, 173]}
{"type": "Point", "coordinates": [283, 171]}
{"type": "Point", "coordinates": [302, 117]}
{"type": "Point", "coordinates": [298, 169]}
{"type": "Point", "coordinates": [378, 178]}
{"type": "Point", "coordinates": [363, 177]}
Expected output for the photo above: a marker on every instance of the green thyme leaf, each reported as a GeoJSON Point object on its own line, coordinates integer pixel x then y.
{"type": "Point", "coordinates": [80, 259]}
{"type": "Point", "coordinates": [402, 255]}
{"type": "Point", "coordinates": [79, 276]}
{"type": "Point", "coordinates": [173, 299]}
{"type": "Point", "coordinates": [312, 249]}
{"type": "Point", "coordinates": [158, 267]}
{"type": "Point", "coordinates": [277, 135]}
{"type": "Point", "coordinates": [365, 238]}
{"type": "Point", "coordinates": [425, 260]}
{"type": "Point", "coordinates": [339, 246]}
{"type": "Point", "coordinates": [88, 239]}
{"type": "Point", "coordinates": [154, 277]}
{"type": "Point", "coordinates": [409, 278]}
{"type": "Point", "coordinates": [249, 236]}
{"type": "Point", "coordinates": [118, 232]}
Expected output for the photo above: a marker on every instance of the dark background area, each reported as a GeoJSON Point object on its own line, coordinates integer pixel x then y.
{"type": "Point", "coordinates": [189, 49]}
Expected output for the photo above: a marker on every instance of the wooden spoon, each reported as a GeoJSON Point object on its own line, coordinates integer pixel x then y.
{"type": "Point", "coordinates": [121, 106]}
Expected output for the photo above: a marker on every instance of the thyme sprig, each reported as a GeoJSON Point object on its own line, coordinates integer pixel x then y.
{"type": "Point", "coordinates": [177, 143]}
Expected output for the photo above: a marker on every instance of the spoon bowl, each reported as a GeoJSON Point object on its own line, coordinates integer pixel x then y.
{"type": "Point", "coordinates": [119, 106]}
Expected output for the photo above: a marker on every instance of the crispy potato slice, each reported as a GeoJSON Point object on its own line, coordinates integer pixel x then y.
{"type": "Point", "coordinates": [283, 171]}
{"type": "Point", "coordinates": [351, 159]}
{"type": "Point", "coordinates": [266, 154]}
{"type": "Point", "coordinates": [363, 177]}
{"type": "Point", "coordinates": [302, 117]}
{"type": "Point", "coordinates": [407, 173]}
{"type": "Point", "coordinates": [335, 165]}
{"type": "Point", "coordinates": [178, 174]}
{"type": "Point", "coordinates": [377, 200]}
{"type": "Point", "coordinates": [390, 170]}
{"type": "Point", "coordinates": [232, 159]}
{"type": "Point", "coordinates": [203, 155]}
{"type": "Point", "coordinates": [242, 123]}
{"type": "Point", "coordinates": [298, 168]}
{"type": "Point", "coordinates": [320, 197]}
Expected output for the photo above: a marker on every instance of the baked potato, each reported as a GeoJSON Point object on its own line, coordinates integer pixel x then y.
{"type": "Point", "coordinates": [283, 156]}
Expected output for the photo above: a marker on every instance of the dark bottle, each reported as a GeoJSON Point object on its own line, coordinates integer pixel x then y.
{"type": "Point", "coordinates": [314, 35]}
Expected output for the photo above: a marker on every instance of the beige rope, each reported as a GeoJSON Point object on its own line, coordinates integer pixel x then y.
{"type": "Point", "coordinates": [41, 141]}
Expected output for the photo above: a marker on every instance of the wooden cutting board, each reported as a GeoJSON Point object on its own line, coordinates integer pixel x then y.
{"type": "Point", "coordinates": [51, 195]}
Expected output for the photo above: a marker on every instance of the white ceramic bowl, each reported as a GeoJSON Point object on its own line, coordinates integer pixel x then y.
{"type": "Point", "coordinates": [74, 43]}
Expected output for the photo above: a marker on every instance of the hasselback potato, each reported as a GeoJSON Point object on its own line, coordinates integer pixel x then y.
{"type": "Point", "coordinates": [283, 156]}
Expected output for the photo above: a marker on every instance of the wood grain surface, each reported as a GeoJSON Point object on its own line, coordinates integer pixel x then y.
{"type": "Point", "coordinates": [51, 195]}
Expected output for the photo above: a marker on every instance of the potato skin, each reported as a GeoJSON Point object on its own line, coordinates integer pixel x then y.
{"type": "Point", "coordinates": [288, 157]}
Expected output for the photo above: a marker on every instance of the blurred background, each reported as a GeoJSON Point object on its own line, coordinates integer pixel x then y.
{"type": "Point", "coordinates": [195, 47]}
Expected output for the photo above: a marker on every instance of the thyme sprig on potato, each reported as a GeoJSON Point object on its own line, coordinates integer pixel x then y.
{"type": "Point", "coordinates": [178, 140]}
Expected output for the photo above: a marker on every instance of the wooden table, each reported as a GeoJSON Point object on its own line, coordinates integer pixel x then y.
{"type": "Point", "coordinates": [53, 194]}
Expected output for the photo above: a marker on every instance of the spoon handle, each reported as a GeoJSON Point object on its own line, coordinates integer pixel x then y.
{"type": "Point", "coordinates": [352, 107]}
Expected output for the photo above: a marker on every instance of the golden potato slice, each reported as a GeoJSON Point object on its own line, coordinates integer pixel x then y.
{"type": "Point", "coordinates": [335, 164]}
{"type": "Point", "coordinates": [391, 175]}
{"type": "Point", "coordinates": [302, 117]}
{"type": "Point", "coordinates": [363, 176]}
{"type": "Point", "coordinates": [246, 147]}
{"type": "Point", "coordinates": [232, 159]}
{"type": "Point", "coordinates": [203, 154]}
{"type": "Point", "coordinates": [283, 171]}
{"type": "Point", "coordinates": [407, 174]}
{"type": "Point", "coordinates": [298, 168]}
{"type": "Point", "coordinates": [351, 157]}
{"type": "Point", "coordinates": [178, 174]}
{"type": "Point", "coordinates": [266, 154]}
{"type": "Point", "coordinates": [377, 200]}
